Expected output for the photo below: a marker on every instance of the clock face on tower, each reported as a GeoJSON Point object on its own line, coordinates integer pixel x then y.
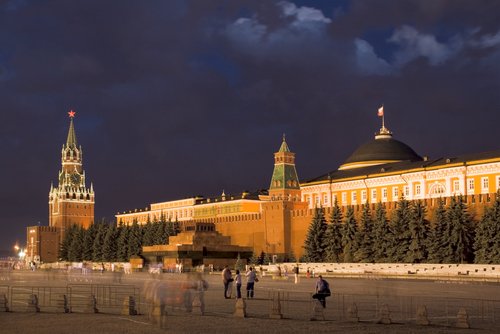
{"type": "Point", "coordinates": [75, 179]}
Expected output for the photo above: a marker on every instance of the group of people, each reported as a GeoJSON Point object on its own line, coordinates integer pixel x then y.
{"type": "Point", "coordinates": [227, 279]}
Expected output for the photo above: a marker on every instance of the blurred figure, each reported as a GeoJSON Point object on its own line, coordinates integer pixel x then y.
{"type": "Point", "coordinates": [322, 291]}
{"type": "Point", "coordinates": [227, 278]}
{"type": "Point", "coordinates": [251, 278]}
{"type": "Point", "coordinates": [238, 284]}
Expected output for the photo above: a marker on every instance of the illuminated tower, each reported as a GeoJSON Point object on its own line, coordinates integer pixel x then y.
{"type": "Point", "coordinates": [284, 198]}
{"type": "Point", "coordinates": [284, 182]}
{"type": "Point", "coordinates": [71, 202]}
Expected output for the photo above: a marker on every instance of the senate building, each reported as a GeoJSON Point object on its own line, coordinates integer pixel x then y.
{"type": "Point", "coordinates": [381, 170]}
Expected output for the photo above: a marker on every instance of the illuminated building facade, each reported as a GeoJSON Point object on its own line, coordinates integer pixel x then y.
{"type": "Point", "coordinates": [382, 170]}
{"type": "Point", "coordinates": [70, 203]}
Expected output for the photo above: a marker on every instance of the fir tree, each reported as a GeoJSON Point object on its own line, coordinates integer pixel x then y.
{"type": "Point", "coordinates": [438, 240]}
{"type": "Point", "coordinates": [461, 231]}
{"type": "Point", "coordinates": [254, 260]}
{"type": "Point", "coordinates": [76, 247]}
{"type": "Point", "coordinates": [88, 243]}
{"type": "Point", "coordinates": [262, 258]}
{"type": "Point", "coordinates": [333, 235]}
{"type": "Point", "coordinates": [313, 245]}
{"type": "Point", "coordinates": [110, 243]}
{"type": "Point", "coordinates": [149, 234]}
{"type": "Point", "coordinates": [381, 235]}
{"type": "Point", "coordinates": [99, 242]}
{"type": "Point", "coordinates": [66, 243]}
{"type": "Point", "coordinates": [419, 231]}
{"type": "Point", "coordinates": [400, 233]}
{"type": "Point", "coordinates": [122, 243]}
{"type": "Point", "coordinates": [364, 237]}
{"type": "Point", "coordinates": [266, 259]}
{"type": "Point", "coordinates": [134, 240]}
{"type": "Point", "coordinates": [487, 239]}
{"type": "Point", "coordinates": [349, 232]}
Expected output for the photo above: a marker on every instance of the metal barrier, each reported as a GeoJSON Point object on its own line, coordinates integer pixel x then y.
{"type": "Point", "coordinates": [71, 298]}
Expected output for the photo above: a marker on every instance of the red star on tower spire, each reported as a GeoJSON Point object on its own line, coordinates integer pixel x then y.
{"type": "Point", "coordinates": [71, 113]}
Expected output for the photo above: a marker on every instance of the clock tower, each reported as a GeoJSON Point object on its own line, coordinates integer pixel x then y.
{"type": "Point", "coordinates": [71, 202]}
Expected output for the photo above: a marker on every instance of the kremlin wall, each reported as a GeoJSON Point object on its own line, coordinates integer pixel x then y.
{"type": "Point", "coordinates": [382, 170]}
{"type": "Point", "coordinates": [276, 221]}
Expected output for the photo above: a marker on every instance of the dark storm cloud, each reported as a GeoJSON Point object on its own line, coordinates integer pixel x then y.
{"type": "Point", "coordinates": [177, 98]}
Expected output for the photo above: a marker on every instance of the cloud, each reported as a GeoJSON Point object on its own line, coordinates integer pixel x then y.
{"type": "Point", "coordinates": [303, 14]}
{"type": "Point", "coordinates": [487, 41]}
{"type": "Point", "coordinates": [415, 44]}
{"type": "Point", "coordinates": [250, 35]}
{"type": "Point", "coordinates": [368, 62]}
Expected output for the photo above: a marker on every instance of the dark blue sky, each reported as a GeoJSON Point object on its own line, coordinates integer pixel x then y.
{"type": "Point", "coordinates": [178, 98]}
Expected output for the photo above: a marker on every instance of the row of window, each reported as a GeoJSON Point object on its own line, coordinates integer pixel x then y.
{"type": "Point", "coordinates": [434, 189]}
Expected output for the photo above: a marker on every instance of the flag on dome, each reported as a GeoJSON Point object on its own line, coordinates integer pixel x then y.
{"type": "Point", "coordinates": [380, 111]}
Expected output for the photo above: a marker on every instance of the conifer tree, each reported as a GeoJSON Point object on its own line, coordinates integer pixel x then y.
{"type": "Point", "coordinates": [487, 238]}
{"type": "Point", "coordinates": [99, 242]}
{"type": "Point", "coordinates": [88, 243]}
{"type": "Point", "coordinates": [254, 260]}
{"type": "Point", "coordinates": [333, 235]}
{"type": "Point", "coordinates": [66, 243]}
{"type": "Point", "coordinates": [266, 259]}
{"type": "Point", "coordinates": [400, 233]}
{"type": "Point", "coordinates": [76, 247]}
{"type": "Point", "coordinates": [122, 243]}
{"type": "Point", "coordinates": [349, 233]}
{"type": "Point", "coordinates": [110, 242]}
{"type": "Point", "coordinates": [364, 237]}
{"type": "Point", "coordinates": [438, 240]}
{"type": "Point", "coordinates": [381, 235]}
{"type": "Point", "coordinates": [313, 245]}
{"type": "Point", "coordinates": [135, 240]}
{"type": "Point", "coordinates": [149, 234]}
{"type": "Point", "coordinates": [419, 232]}
{"type": "Point", "coordinates": [461, 231]}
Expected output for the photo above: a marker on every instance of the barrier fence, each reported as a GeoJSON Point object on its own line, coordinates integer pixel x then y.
{"type": "Point", "coordinates": [269, 303]}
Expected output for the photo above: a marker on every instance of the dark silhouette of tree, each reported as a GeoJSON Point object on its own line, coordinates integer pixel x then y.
{"type": "Point", "coordinates": [364, 237]}
{"type": "Point", "coordinates": [88, 243]}
{"type": "Point", "coordinates": [461, 231]}
{"type": "Point", "coordinates": [135, 240]}
{"type": "Point", "coordinates": [400, 233]}
{"type": "Point", "coordinates": [349, 232]}
{"type": "Point", "coordinates": [97, 254]}
{"type": "Point", "coordinates": [110, 244]}
{"type": "Point", "coordinates": [313, 245]}
{"type": "Point", "coordinates": [75, 250]}
{"type": "Point", "coordinates": [149, 234]}
{"type": "Point", "coordinates": [122, 248]}
{"type": "Point", "coordinates": [438, 240]}
{"type": "Point", "coordinates": [419, 232]}
{"type": "Point", "coordinates": [381, 235]}
{"type": "Point", "coordinates": [66, 243]}
{"type": "Point", "coordinates": [333, 236]}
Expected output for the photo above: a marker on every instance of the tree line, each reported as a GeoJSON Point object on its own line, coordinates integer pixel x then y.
{"type": "Point", "coordinates": [451, 236]}
{"type": "Point", "coordinates": [104, 242]}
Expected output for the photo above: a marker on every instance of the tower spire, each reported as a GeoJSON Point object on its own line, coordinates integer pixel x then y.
{"type": "Point", "coordinates": [71, 141]}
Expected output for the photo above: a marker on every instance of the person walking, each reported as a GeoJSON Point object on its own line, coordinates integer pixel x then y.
{"type": "Point", "coordinates": [237, 278]}
{"type": "Point", "coordinates": [322, 291]}
{"type": "Point", "coordinates": [227, 278]}
{"type": "Point", "coordinates": [296, 273]}
{"type": "Point", "coordinates": [251, 279]}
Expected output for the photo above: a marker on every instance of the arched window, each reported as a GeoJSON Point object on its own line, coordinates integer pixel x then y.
{"type": "Point", "coordinates": [437, 190]}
